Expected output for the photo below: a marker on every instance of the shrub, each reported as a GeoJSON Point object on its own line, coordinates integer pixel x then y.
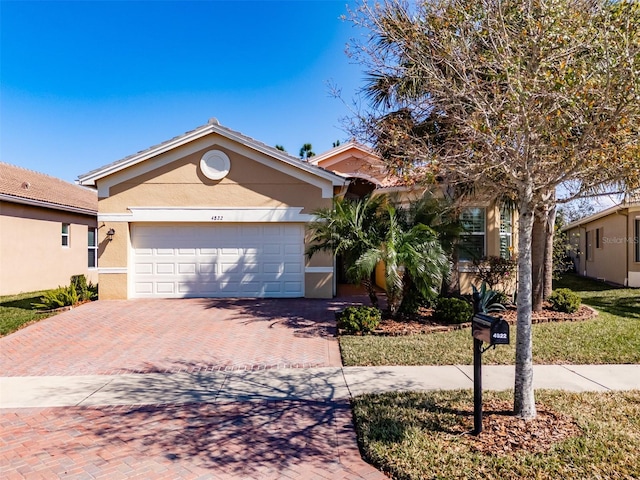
{"type": "Point", "coordinates": [564, 300]}
{"type": "Point", "coordinates": [79, 282]}
{"type": "Point", "coordinates": [495, 271]}
{"type": "Point", "coordinates": [58, 298]}
{"type": "Point", "coordinates": [453, 310]}
{"type": "Point", "coordinates": [359, 319]}
{"type": "Point", "coordinates": [86, 291]}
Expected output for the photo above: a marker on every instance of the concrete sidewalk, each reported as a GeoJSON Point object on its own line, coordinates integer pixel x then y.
{"type": "Point", "coordinates": [326, 384]}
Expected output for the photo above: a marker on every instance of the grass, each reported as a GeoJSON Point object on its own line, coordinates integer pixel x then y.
{"type": "Point", "coordinates": [417, 436]}
{"type": "Point", "coordinates": [612, 337]}
{"type": "Point", "coordinates": [16, 311]}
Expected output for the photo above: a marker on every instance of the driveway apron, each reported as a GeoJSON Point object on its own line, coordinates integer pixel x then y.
{"type": "Point", "coordinates": [230, 439]}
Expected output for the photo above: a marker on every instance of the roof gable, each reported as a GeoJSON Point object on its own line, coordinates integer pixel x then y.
{"type": "Point", "coordinates": [20, 185]}
{"type": "Point", "coordinates": [259, 149]}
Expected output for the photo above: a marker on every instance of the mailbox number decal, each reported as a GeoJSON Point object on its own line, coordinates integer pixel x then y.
{"type": "Point", "coordinates": [500, 335]}
{"type": "Point", "coordinates": [217, 218]}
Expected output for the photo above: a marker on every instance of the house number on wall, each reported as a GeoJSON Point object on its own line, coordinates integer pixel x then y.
{"type": "Point", "coordinates": [217, 218]}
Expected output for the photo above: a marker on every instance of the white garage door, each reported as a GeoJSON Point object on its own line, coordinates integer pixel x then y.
{"type": "Point", "coordinates": [202, 260]}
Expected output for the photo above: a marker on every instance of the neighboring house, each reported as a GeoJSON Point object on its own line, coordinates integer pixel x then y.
{"type": "Point", "coordinates": [48, 231]}
{"type": "Point", "coordinates": [606, 245]}
{"type": "Point", "coordinates": [211, 213]}
{"type": "Point", "coordinates": [489, 228]}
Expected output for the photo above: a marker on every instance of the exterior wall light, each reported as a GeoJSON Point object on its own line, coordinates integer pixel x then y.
{"type": "Point", "coordinates": [110, 233]}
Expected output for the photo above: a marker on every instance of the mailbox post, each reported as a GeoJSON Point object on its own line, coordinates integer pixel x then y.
{"type": "Point", "coordinates": [491, 330]}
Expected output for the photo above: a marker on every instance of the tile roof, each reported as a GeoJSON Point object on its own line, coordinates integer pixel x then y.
{"type": "Point", "coordinates": [22, 185]}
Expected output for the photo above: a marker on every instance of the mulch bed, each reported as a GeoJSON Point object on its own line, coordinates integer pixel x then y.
{"type": "Point", "coordinates": [424, 322]}
{"type": "Point", "coordinates": [505, 434]}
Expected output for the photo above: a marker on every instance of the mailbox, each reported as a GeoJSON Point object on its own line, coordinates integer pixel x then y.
{"type": "Point", "coordinates": [491, 330]}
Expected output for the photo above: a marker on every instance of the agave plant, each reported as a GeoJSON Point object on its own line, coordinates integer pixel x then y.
{"type": "Point", "coordinates": [486, 300]}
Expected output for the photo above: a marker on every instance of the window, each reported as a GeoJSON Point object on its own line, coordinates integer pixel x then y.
{"type": "Point", "coordinates": [92, 242]}
{"type": "Point", "coordinates": [472, 241]}
{"type": "Point", "coordinates": [637, 239]}
{"type": "Point", "coordinates": [65, 234]}
{"type": "Point", "coordinates": [506, 233]}
{"type": "Point", "coordinates": [587, 246]}
{"type": "Point", "coordinates": [598, 235]}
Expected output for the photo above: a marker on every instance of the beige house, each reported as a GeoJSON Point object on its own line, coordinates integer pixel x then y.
{"type": "Point", "coordinates": [606, 245]}
{"type": "Point", "coordinates": [214, 213]}
{"type": "Point", "coordinates": [490, 229]}
{"type": "Point", "coordinates": [48, 231]}
{"type": "Point", "coordinates": [211, 213]}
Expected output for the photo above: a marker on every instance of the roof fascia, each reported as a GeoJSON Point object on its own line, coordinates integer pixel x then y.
{"type": "Point", "coordinates": [90, 178]}
{"type": "Point", "coordinates": [195, 145]}
{"type": "Point", "coordinates": [44, 204]}
{"type": "Point", "coordinates": [597, 216]}
{"type": "Point", "coordinates": [335, 155]}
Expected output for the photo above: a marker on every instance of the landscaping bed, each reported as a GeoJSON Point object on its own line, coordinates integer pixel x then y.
{"type": "Point", "coordinates": [424, 321]}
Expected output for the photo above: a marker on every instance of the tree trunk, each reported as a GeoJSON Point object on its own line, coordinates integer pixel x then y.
{"type": "Point", "coordinates": [548, 254]}
{"type": "Point", "coordinates": [451, 283]}
{"type": "Point", "coordinates": [538, 257]}
{"type": "Point", "coordinates": [524, 400]}
{"type": "Point", "coordinates": [369, 286]}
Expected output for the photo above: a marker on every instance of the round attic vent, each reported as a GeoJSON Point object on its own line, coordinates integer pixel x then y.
{"type": "Point", "coordinates": [215, 164]}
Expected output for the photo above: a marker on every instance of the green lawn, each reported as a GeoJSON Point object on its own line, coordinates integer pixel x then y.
{"type": "Point", "coordinates": [421, 435]}
{"type": "Point", "coordinates": [612, 337]}
{"type": "Point", "coordinates": [16, 311]}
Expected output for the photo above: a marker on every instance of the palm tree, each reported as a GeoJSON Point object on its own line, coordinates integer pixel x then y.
{"type": "Point", "coordinates": [348, 229]}
{"type": "Point", "coordinates": [306, 151]}
{"type": "Point", "coordinates": [411, 257]}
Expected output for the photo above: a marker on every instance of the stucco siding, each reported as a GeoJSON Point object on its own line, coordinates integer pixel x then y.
{"type": "Point", "coordinates": [318, 285]}
{"type": "Point", "coordinates": [181, 183]}
{"type": "Point", "coordinates": [113, 286]}
{"type": "Point", "coordinates": [31, 253]}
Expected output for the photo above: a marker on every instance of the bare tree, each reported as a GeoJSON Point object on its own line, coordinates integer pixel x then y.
{"type": "Point", "coordinates": [515, 97]}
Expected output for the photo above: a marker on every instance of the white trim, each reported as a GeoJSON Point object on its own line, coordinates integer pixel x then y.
{"type": "Point", "coordinates": [94, 249]}
{"type": "Point", "coordinates": [339, 150]}
{"type": "Point", "coordinates": [318, 270]}
{"type": "Point", "coordinates": [297, 167]}
{"type": "Point", "coordinates": [599, 215]}
{"type": "Point", "coordinates": [112, 270]}
{"type": "Point", "coordinates": [209, 215]}
{"type": "Point", "coordinates": [137, 169]}
{"type": "Point", "coordinates": [310, 177]}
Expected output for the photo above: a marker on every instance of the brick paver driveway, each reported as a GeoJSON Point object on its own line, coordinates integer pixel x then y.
{"type": "Point", "coordinates": [232, 440]}
{"type": "Point", "coordinates": [144, 336]}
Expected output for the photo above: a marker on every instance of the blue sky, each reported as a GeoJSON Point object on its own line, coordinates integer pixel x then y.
{"type": "Point", "coordinates": [85, 83]}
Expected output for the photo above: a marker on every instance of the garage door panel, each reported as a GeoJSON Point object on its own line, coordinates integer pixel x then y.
{"type": "Point", "coordinates": [254, 260]}
{"type": "Point", "coordinates": [144, 268]}
{"type": "Point", "coordinates": [207, 268]}
{"type": "Point", "coordinates": [165, 268]}
{"type": "Point", "coordinates": [165, 287]}
{"type": "Point", "coordinates": [186, 268]}
{"type": "Point", "coordinates": [292, 267]}
{"type": "Point", "coordinates": [144, 288]}
{"type": "Point", "coordinates": [293, 287]}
